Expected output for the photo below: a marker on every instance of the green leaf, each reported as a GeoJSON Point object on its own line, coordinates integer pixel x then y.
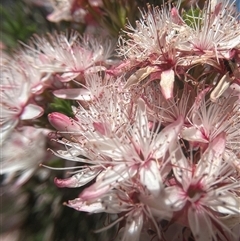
{"type": "Point", "coordinates": [63, 106]}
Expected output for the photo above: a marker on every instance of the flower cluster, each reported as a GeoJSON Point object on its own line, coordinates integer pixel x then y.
{"type": "Point", "coordinates": [155, 131]}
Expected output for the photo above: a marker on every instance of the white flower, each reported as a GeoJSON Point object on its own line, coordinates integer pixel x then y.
{"type": "Point", "coordinates": [16, 93]}
{"type": "Point", "coordinates": [68, 55]}
{"type": "Point", "coordinates": [214, 33]}
{"type": "Point", "coordinates": [154, 36]}
{"type": "Point", "coordinates": [210, 120]}
{"type": "Point", "coordinates": [135, 151]}
{"type": "Point", "coordinates": [22, 152]}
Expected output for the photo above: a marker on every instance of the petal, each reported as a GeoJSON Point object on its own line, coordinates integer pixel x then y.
{"type": "Point", "coordinates": [101, 128]}
{"type": "Point", "coordinates": [157, 206]}
{"type": "Point", "coordinates": [199, 221]}
{"type": "Point", "coordinates": [31, 111]}
{"type": "Point", "coordinates": [222, 85]}
{"type": "Point", "coordinates": [62, 122]}
{"type": "Point", "coordinates": [73, 94]}
{"type": "Point", "coordinates": [58, 15]}
{"type": "Point", "coordinates": [167, 83]}
{"type": "Point", "coordinates": [79, 179]}
{"type": "Point", "coordinates": [193, 134]}
{"type": "Point", "coordinates": [150, 177]}
{"type": "Point", "coordinates": [174, 198]}
{"type": "Point", "coordinates": [109, 178]}
{"type": "Point", "coordinates": [66, 77]}
{"type": "Point", "coordinates": [6, 130]}
{"type": "Point", "coordinates": [133, 227]}
{"type": "Point", "coordinates": [226, 203]}
{"type": "Point", "coordinates": [114, 201]}
{"type": "Point", "coordinates": [84, 206]}
{"type": "Point", "coordinates": [139, 75]}
{"type": "Point", "coordinates": [167, 137]}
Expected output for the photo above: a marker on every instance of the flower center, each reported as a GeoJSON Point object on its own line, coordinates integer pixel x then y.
{"type": "Point", "coordinates": [195, 192]}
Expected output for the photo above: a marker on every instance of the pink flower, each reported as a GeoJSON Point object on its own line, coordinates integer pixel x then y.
{"type": "Point", "coordinates": [134, 215]}
{"type": "Point", "coordinates": [203, 191]}
{"type": "Point", "coordinates": [134, 151]}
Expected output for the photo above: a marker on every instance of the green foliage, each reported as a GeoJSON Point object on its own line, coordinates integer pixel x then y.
{"type": "Point", "coordinates": [62, 106]}
{"type": "Point", "coordinates": [115, 14]}
{"type": "Point", "coordinates": [15, 25]}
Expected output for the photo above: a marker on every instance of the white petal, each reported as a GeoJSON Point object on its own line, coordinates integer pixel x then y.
{"type": "Point", "coordinates": [193, 134]}
{"type": "Point", "coordinates": [222, 85]}
{"type": "Point", "coordinates": [139, 75]}
{"type": "Point", "coordinates": [133, 227]}
{"type": "Point", "coordinates": [66, 77]}
{"type": "Point", "coordinates": [6, 130]}
{"type": "Point", "coordinates": [31, 111]}
{"type": "Point", "coordinates": [200, 224]}
{"type": "Point", "coordinates": [73, 94]}
{"type": "Point", "coordinates": [150, 177]}
{"type": "Point", "coordinates": [226, 203]}
{"type": "Point", "coordinates": [181, 166]}
{"type": "Point", "coordinates": [173, 198]}
{"type": "Point", "coordinates": [167, 137]}
{"type": "Point", "coordinates": [81, 205]}
{"type": "Point", "coordinates": [166, 83]}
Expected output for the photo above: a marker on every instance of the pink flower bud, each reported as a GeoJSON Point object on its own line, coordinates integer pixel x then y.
{"type": "Point", "coordinates": [62, 122]}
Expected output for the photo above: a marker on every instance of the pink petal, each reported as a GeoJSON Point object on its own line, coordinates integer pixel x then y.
{"type": "Point", "coordinates": [79, 179]}
{"type": "Point", "coordinates": [109, 178]}
{"type": "Point", "coordinates": [63, 123]}
{"type": "Point", "coordinates": [175, 16]}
